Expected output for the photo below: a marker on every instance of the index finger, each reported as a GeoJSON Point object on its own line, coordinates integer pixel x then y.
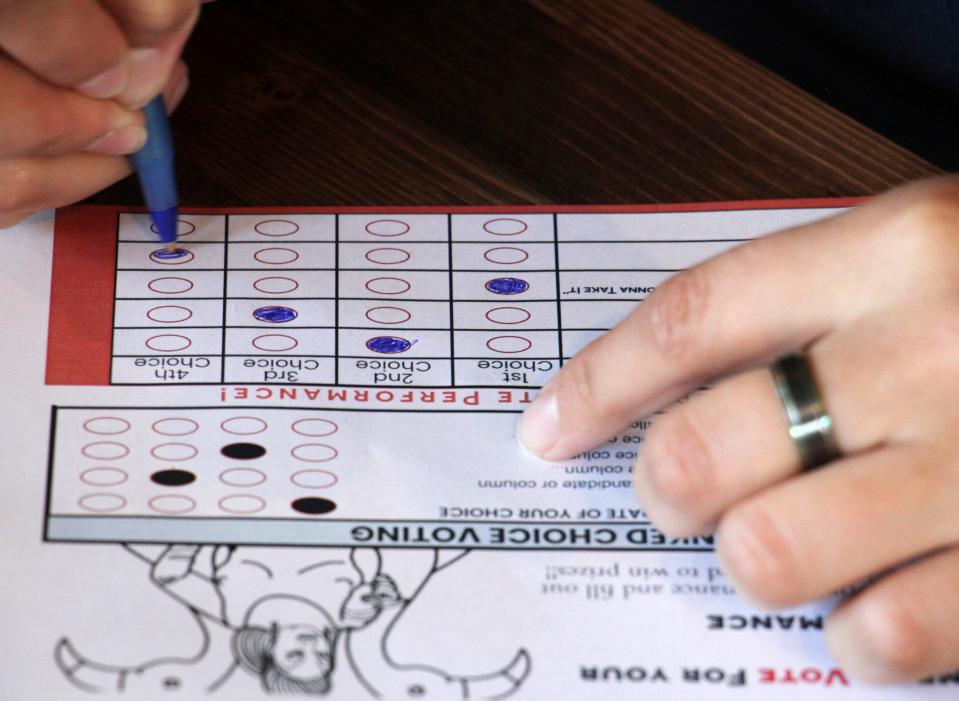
{"type": "Point", "coordinates": [70, 43]}
{"type": "Point", "coordinates": [157, 31]}
{"type": "Point", "coordinates": [153, 22]}
{"type": "Point", "coordinates": [40, 119]}
{"type": "Point", "coordinates": [744, 307]}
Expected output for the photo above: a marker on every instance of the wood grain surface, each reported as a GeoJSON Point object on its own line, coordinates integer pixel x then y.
{"type": "Point", "coordinates": [497, 101]}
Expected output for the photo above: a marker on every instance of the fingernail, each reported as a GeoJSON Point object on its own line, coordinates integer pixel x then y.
{"type": "Point", "coordinates": [145, 66]}
{"type": "Point", "coordinates": [852, 643]}
{"type": "Point", "coordinates": [107, 84]}
{"type": "Point", "coordinates": [539, 428]}
{"type": "Point", "coordinates": [120, 142]}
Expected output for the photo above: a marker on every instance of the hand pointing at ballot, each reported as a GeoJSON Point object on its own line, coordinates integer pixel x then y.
{"type": "Point", "coordinates": [870, 301]}
{"type": "Point", "coordinates": [73, 73]}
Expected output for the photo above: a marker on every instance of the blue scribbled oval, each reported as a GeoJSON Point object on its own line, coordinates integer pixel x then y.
{"type": "Point", "coordinates": [507, 285]}
{"type": "Point", "coordinates": [178, 256]}
{"type": "Point", "coordinates": [388, 344]}
{"type": "Point", "coordinates": [275, 315]}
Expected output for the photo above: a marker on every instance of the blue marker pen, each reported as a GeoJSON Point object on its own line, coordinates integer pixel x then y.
{"type": "Point", "coordinates": [154, 166]}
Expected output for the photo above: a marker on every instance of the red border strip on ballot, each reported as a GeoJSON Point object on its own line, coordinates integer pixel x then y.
{"type": "Point", "coordinates": [81, 296]}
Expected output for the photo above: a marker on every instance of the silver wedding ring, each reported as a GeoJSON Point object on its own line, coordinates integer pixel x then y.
{"type": "Point", "coordinates": [810, 426]}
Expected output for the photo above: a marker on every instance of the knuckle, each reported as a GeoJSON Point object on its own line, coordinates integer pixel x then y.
{"type": "Point", "coordinates": [679, 467]}
{"type": "Point", "coordinates": [53, 142]}
{"type": "Point", "coordinates": [678, 311]}
{"type": "Point", "coordinates": [894, 638]}
{"type": "Point", "coordinates": [62, 127]}
{"type": "Point", "coordinates": [939, 338]}
{"type": "Point", "coordinates": [927, 226]}
{"type": "Point", "coordinates": [73, 124]}
{"type": "Point", "coordinates": [47, 130]}
{"type": "Point", "coordinates": [757, 556]}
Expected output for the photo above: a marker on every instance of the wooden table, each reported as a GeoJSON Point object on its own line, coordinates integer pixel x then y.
{"type": "Point", "coordinates": [497, 101]}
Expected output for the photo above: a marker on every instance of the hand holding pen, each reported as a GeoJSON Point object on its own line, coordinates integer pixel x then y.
{"type": "Point", "coordinates": [75, 76]}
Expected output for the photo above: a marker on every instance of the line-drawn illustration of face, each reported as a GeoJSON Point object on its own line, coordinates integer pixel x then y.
{"type": "Point", "coordinates": [302, 651]}
{"type": "Point", "coordinates": [290, 643]}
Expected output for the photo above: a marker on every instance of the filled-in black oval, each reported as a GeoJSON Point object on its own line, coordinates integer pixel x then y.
{"type": "Point", "coordinates": [243, 451]}
{"type": "Point", "coordinates": [173, 478]}
{"type": "Point", "coordinates": [313, 505]}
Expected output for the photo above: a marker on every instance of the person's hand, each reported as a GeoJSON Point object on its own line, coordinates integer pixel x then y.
{"type": "Point", "coordinates": [873, 297]}
{"type": "Point", "coordinates": [73, 73]}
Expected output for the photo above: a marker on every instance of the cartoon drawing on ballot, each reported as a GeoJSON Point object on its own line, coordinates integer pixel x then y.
{"type": "Point", "coordinates": [293, 624]}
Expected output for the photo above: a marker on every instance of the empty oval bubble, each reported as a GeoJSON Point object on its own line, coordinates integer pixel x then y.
{"type": "Point", "coordinates": [178, 256]}
{"type": "Point", "coordinates": [507, 285]}
{"type": "Point", "coordinates": [242, 477]}
{"type": "Point", "coordinates": [388, 285]}
{"type": "Point", "coordinates": [505, 255]}
{"type": "Point", "coordinates": [104, 476]}
{"type": "Point", "coordinates": [388, 315]}
{"type": "Point", "coordinates": [275, 315]}
{"type": "Point", "coordinates": [276, 227]}
{"type": "Point", "coordinates": [105, 450]}
{"type": "Point", "coordinates": [169, 314]}
{"type": "Point", "coordinates": [242, 504]}
{"type": "Point", "coordinates": [106, 425]}
{"type": "Point", "coordinates": [314, 452]}
{"type": "Point", "coordinates": [175, 426]}
{"type": "Point", "coordinates": [183, 228]}
{"type": "Point", "coordinates": [509, 344]}
{"type": "Point", "coordinates": [315, 428]}
{"type": "Point", "coordinates": [168, 343]}
{"type": "Point", "coordinates": [174, 451]}
{"type": "Point", "coordinates": [508, 315]}
{"type": "Point", "coordinates": [275, 285]}
{"type": "Point", "coordinates": [170, 285]}
{"type": "Point", "coordinates": [102, 503]}
{"type": "Point", "coordinates": [172, 504]}
{"type": "Point", "coordinates": [505, 226]}
{"type": "Point", "coordinates": [387, 256]}
{"type": "Point", "coordinates": [313, 479]}
{"type": "Point", "coordinates": [388, 344]}
{"type": "Point", "coordinates": [275, 342]}
{"type": "Point", "coordinates": [276, 256]}
{"type": "Point", "coordinates": [387, 227]}
{"type": "Point", "coordinates": [243, 425]}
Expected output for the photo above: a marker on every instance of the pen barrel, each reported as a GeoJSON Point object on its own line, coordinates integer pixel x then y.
{"type": "Point", "coordinates": [154, 162]}
{"type": "Point", "coordinates": [158, 184]}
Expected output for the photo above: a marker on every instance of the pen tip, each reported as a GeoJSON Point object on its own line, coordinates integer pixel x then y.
{"type": "Point", "coordinates": [171, 247]}
{"type": "Point", "coordinates": [165, 224]}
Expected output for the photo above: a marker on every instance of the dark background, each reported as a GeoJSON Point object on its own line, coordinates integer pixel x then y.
{"type": "Point", "coordinates": [383, 102]}
{"type": "Point", "coordinates": [891, 64]}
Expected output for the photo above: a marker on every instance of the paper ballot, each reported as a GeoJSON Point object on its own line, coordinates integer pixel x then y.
{"type": "Point", "coordinates": [281, 460]}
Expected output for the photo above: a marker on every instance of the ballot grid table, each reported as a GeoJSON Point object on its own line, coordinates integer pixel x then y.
{"type": "Point", "coordinates": [441, 299]}
{"type": "Point", "coordinates": [251, 474]}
